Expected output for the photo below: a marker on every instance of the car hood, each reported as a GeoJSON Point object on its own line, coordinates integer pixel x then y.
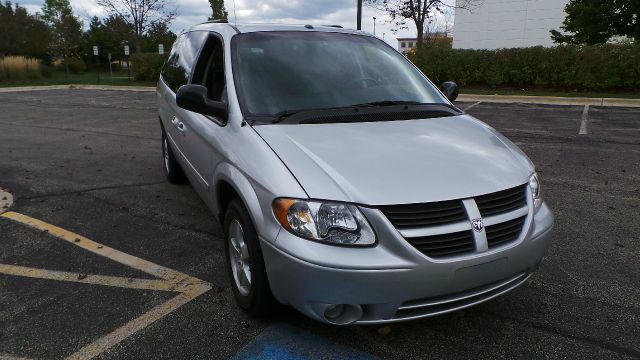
{"type": "Point", "coordinates": [398, 162]}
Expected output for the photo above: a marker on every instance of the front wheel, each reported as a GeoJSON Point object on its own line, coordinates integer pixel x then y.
{"type": "Point", "coordinates": [245, 263]}
{"type": "Point", "coordinates": [172, 169]}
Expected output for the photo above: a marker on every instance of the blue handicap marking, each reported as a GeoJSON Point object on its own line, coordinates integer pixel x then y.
{"type": "Point", "coordinates": [285, 342]}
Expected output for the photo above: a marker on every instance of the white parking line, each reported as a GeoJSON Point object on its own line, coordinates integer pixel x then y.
{"type": "Point", "coordinates": [187, 286]}
{"type": "Point", "coordinates": [585, 120]}
{"type": "Point", "coordinates": [472, 105]}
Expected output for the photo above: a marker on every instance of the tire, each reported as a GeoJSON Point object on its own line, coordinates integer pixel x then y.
{"type": "Point", "coordinates": [242, 249]}
{"type": "Point", "coordinates": [172, 169]}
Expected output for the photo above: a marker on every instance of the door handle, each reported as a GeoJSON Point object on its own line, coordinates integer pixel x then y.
{"type": "Point", "coordinates": [181, 127]}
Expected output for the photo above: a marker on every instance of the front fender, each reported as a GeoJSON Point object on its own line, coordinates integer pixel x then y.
{"type": "Point", "coordinates": [262, 217]}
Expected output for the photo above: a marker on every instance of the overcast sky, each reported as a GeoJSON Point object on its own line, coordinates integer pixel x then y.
{"type": "Point", "coordinates": [190, 12]}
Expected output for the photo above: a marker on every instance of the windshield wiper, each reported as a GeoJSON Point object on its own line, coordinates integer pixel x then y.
{"type": "Point", "coordinates": [282, 115]}
{"type": "Point", "coordinates": [387, 103]}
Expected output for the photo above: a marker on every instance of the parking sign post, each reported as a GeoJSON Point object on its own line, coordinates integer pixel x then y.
{"type": "Point", "coordinates": [95, 53]}
{"type": "Point", "coordinates": [127, 54]}
{"type": "Point", "coordinates": [110, 69]}
{"type": "Point", "coordinates": [359, 16]}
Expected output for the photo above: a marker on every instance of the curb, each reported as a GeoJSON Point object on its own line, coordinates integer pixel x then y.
{"type": "Point", "coordinates": [501, 99]}
{"type": "Point", "coordinates": [549, 100]}
{"type": "Point", "coordinates": [6, 200]}
{"type": "Point", "coordinates": [78, 87]}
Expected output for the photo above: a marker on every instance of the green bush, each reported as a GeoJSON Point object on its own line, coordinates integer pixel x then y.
{"type": "Point", "coordinates": [76, 66]}
{"type": "Point", "coordinates": [115, 67]}
{"type": "Point", "coordinates": [46, 72]}
{"type": "Point", "coordinates": [146, 66]}
{"type": "Point", "coordinates": [572, 67]}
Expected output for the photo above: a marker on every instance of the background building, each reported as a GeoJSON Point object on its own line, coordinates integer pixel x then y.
{"type": "Point", "coordinates": [508, 23]}
{"type": "Point", "coordinates": [406, 44]}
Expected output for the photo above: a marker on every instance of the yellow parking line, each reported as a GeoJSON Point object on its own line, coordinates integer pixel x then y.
{"type": "Point", "coordinates": [102, 250]}
{"type": "Point", "coordinates": [171, 280]}
{"type": "Point", "coordinates": [131, 283]}
{"type": "Point", "coordinates": [11, 357]}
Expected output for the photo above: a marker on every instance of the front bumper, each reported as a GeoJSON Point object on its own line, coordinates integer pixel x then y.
{"type": "Point", "coordinates": [393, 281]}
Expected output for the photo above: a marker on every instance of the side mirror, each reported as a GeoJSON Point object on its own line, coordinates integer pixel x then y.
{"type": "Point", "coordinates": [194, 98]}
{"type": "Point", "coordinates": [450, 90]}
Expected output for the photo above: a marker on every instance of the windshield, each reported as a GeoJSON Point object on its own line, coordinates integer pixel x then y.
{"type": "Point", "coordinates": [278, 72]}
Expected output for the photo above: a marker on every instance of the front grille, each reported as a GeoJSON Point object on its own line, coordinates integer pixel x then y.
{"type": "Point", "coordinates": [502, 202]}
{"type": "Point", "coordinates": [423, 215]}
{"type": "Point", "coordinates": [425, 225]}
{"type": "Point", "coordinates": [504, 233]}
{"type": "Point", "coordinates": [444, 245]}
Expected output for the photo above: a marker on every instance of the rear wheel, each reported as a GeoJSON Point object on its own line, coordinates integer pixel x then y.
{"type": "Point", "coordinates": [245, 263]}
{"type": "Point", "coordinates": [172, 169]}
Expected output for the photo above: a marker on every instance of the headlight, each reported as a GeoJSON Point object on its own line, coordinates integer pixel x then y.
{"type": "Point", "coordinates": [534, 183]}
{"type": "Point", "coordinates": [329, 222]}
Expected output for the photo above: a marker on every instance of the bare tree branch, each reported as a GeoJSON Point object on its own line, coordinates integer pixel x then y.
{"type": "Point", "coordinates": [421, 12]}
{"type": "Point", "coordinates": [141, 14]}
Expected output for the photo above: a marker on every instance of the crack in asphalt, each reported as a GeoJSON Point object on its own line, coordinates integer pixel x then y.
{"type": "Point", "coordinates": [47, 105]}
{"type": "Point", "coordinates": [79, 130]}
{"type": "Point", "coordinates": [512, 134]}
{"type": "Point", "coordinates": [127, 210]}
{"type": "Point", "coordinates": [155, 221]}
{"type": "Point", "coordinates": [556, 331]}
{"type": "Point", "coordinates": [76, 192]}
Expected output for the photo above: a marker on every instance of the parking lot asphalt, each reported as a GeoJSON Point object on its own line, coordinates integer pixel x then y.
{"type": "Point", "coordinates": [101, 257]}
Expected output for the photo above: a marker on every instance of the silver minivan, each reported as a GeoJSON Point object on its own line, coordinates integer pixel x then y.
{"type": "Point", "coordinates": [348, 185]}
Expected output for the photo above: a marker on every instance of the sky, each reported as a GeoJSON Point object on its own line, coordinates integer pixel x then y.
{"type": "Point", "coordinates": [325, 12]}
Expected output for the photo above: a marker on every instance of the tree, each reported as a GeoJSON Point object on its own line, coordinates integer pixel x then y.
{"type": "Point", "coordinates": [117, 32]}
{"type": "Point", "coordinates": [158, 33]}
{"type": "Point", "coordinates": [140, 14]}
{"type": "Point", "coordinates": [218, 11]}
{"type": "Point", "coordinates": [66, 29]}
{"type": "Point", "coordinates": [22, 33]}
{"type": "Point", "coordinates": [421, 12]}
{"type": "Point", "coordinates": [597, 21]}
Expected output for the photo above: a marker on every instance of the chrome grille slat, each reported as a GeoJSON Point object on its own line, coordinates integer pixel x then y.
{"type": "Point", "coordinates": [437, 306]}
{"type": "Point", "coordinates": [423, 308]}
{"type": "Point", "coordinates": [460, 296]}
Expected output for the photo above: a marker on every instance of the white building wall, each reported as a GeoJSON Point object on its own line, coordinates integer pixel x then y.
{"type": "Point", "coordinates": [508, 23]}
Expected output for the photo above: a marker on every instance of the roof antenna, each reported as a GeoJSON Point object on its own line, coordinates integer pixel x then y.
{"type": "Point", "coordinates": [235, 17]}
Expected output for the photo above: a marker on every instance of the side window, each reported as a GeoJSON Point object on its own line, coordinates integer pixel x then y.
{"type": "Point", "coordinates": [210, 71]}
{"type": "Point", "coordinates": [185, 50]}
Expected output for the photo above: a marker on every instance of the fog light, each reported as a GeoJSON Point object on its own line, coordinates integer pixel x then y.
{"type": "Point", "coordinates": [334, 311]}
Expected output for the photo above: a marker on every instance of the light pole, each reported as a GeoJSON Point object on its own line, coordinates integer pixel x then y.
{"type": "Point", "coordinates": [374, 26]}
{"type": "Point", "coordinates": [359, 20]}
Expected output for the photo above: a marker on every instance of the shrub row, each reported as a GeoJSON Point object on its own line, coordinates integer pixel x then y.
{"type": "Point", "coordinates": [146, 66]}
{"type": "Point", "coordinates": [19, 68]}
{"type": "Point", "coordinates": [596, 67]}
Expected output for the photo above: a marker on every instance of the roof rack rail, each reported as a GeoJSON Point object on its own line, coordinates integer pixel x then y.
{"type": "Point", "coordinates": [218, 21]}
